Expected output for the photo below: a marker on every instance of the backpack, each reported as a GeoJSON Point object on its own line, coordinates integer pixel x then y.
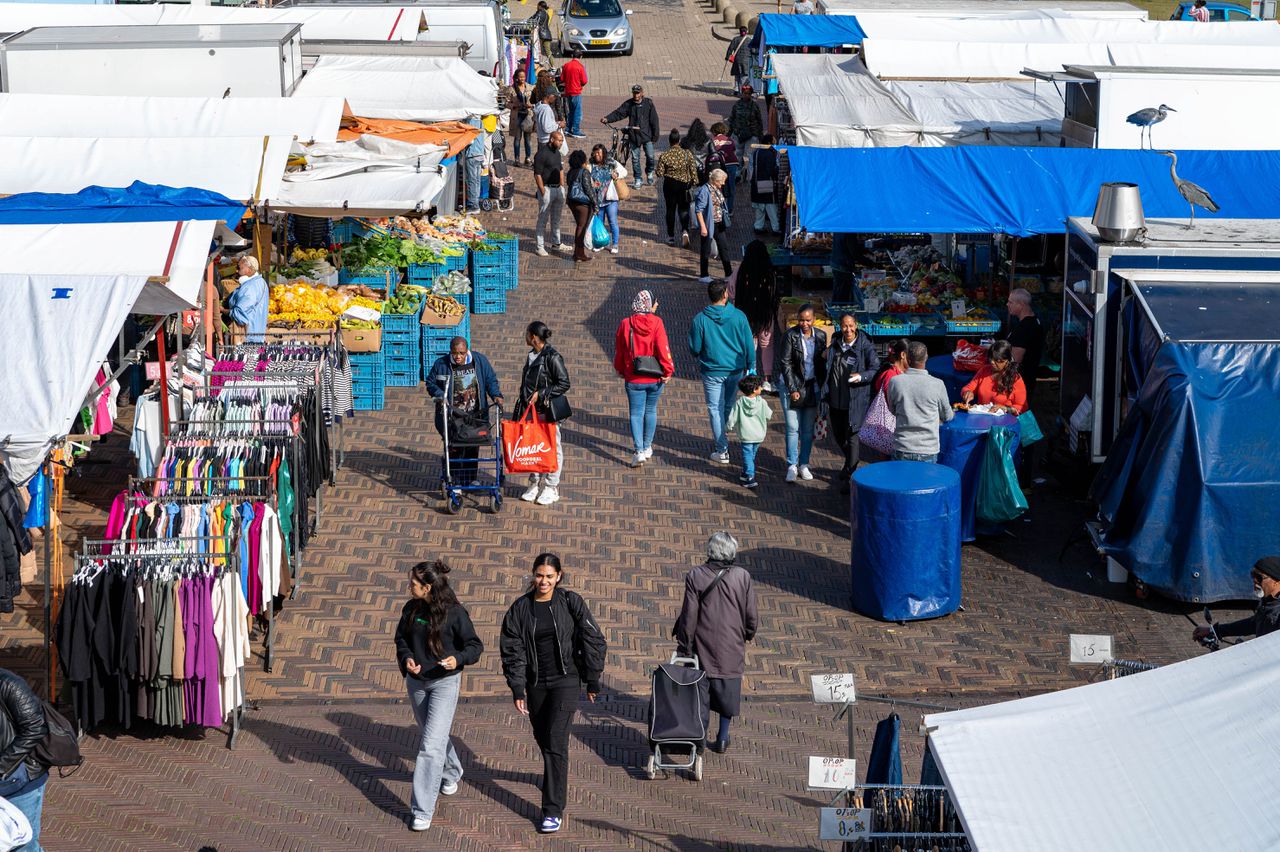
{"type": "Point", "coordinates": [60, 745]}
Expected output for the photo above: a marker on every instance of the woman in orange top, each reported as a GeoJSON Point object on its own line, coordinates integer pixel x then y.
{"type": "Point", "coordinates": [998, 383]}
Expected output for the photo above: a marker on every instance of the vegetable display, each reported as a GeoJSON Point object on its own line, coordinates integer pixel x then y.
{"type": "Point", "coordinates": [302, 304]}
{"type": "Point", "coordinates": [407, 300]}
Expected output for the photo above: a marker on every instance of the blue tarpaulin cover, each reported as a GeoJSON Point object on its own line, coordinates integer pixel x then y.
{"type": "Point", "coordinates": [1190, 490]}
{"type": "Point", "coordinates": [906, 540]}
{"type": "Point", "coordinates": [1015, 191]}
{"type": "Point", "coordinates": [806, 31]}
{"type": "Point", "coordinates": [138, 202]}
{"type": "Point", "coordinates": [962, 445]}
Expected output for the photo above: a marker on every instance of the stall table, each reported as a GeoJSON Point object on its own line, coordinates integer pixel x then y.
{"type": "Point", "coordinates": [963, 445]}
{"type": "Point", "coordinates": [943, 367]}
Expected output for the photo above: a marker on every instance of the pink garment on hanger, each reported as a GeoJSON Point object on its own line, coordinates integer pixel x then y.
{"type": "Point", "coordinates": [102, 424]}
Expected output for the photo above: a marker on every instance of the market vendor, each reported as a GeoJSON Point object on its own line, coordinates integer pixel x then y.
{"type": "Point", "coordinates": [247, 306]}
{"type": "Point", "coordinates": [1026, 335]}
{"type": "Point", "coordinates": [998, 383]}
{"type": "Point", "coordinates": [1266, 619]}
{"type": "Point", "coordinates": [467, 382]}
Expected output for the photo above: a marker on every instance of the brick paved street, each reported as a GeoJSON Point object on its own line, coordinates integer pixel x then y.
{"type": "Point", "coordinates": [325, 760]}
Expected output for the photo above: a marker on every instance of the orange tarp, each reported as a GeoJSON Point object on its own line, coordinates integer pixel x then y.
{"type": "Point", "coordinates": [456, 134]}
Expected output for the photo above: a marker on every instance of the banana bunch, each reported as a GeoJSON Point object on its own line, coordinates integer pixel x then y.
{"type": "Point", "coordinates": [444, 306]}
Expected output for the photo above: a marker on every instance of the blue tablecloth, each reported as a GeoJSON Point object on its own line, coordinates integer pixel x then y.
{"type": "Point", "coordinates": [905, 559]}
{"type": "Point", "coordinates": [964, 443]}
{"type": "Point", "coordinates": [942, 367]}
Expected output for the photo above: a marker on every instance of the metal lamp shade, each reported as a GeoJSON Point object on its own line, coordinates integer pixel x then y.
{"type": "Point", "coordinates": [1118, 213]}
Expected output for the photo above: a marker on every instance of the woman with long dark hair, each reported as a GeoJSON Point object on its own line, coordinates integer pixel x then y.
{"type": "Point", "coordinates": [755, 292]}
{"type": "Point", "coordinates": [581, 195]}
{"type": "Point", "coordinates": [998, 383]}
{"type": "Point", "coordinates": [544, 378]}
{"type": "Point", "coordinates": [604, 172]}
{"type": "Point", "coordinates": [551, 647]}
{"type": "Point", "coordinates": [434, 643]}
{"type": "Point", "coordinates": [698, 142]}
{"type": "Point", "coordinates": [679, 173]}
{"type": "Point", "coordinates": [894, 364]}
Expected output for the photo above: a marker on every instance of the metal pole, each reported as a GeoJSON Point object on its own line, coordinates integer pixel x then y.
{"type": "Point", "coordinates": [48, 579]}
{"type": "Point", "coordinates": [848, 796]}
{"type": "Point", "coordinates": [164, 383]}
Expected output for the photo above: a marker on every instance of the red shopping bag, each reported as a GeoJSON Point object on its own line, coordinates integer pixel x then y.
{"type": "Point", "coordinates": [529, 444]}
{"type": "Point", "coordinates": [969, 357]}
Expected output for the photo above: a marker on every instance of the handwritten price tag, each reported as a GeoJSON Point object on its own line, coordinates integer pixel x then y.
{"type": "Point", "coordinates": [832, 773]}
{"type": "Point", "coordinates": [871, 304]}
{"type": "Point", "coordinates": [958, 308]}
{"type": "Point", "coordinates": [844, 823]}
{"type": "Point", "coordinates": [832, 688]}
{"type": "Point", "coordinates": [1086, 648]}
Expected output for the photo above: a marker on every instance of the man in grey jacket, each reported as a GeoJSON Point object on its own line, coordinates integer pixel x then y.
{"type": "Point", "coordinates": [717, 621]}
{"type": "Point", "coordinates": [920, 403]}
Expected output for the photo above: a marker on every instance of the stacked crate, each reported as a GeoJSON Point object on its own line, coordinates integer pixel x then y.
{"type": "Point", "coordinates": [368, 382]}
{"type": "Point", "coordinates": [401, 348]}
{"type": "Point", "coordinates": [493, 273]}
{"type": "Point", "coordinates": [435, 340]}
{"type": "Point", "coordinates": [424, 274]}
{"type": "Point", "coordinates": [379, 278]}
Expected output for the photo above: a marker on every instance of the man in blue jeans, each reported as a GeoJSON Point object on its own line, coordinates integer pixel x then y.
{"type": "Point", "coordinates": [642, 123]}
{"type": "Point", "coordinates": [921, 405]}
{"type": "Point", "coordinates": [22, 727]}
{"type": "Point", "coordinates": [720, 339]}
{"type": "Point", "coordinates": [473, 159]}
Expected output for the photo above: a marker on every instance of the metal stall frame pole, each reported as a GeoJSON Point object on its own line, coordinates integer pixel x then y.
{"type": "Point", "coordinates": [47, 472]}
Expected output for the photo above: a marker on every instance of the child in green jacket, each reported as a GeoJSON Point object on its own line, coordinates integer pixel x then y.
{"type": "Point", "coordinates": [750, 419]}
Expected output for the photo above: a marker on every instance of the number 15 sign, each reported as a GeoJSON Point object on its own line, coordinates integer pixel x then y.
{"type": "Point", "coordinates": [832, 688]}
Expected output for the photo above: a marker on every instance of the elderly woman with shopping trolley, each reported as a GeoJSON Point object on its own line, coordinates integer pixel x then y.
{"type": "Point", "coordinates": [465, 387]}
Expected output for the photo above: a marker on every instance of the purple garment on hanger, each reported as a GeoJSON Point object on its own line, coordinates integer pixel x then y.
{"type": "Point", "coordinates": [255, 540]}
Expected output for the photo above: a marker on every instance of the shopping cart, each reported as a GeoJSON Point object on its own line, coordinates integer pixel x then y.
{"type": "Point", "coordinates": [481, 431]}
{"type": "Point", "coordinates": [678, 710]}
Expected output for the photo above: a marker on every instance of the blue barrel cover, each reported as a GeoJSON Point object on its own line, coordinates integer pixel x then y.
{"type": "Point", "coordinates": [963, 441]}
{"type": "Point", "coordinates": [905, 520]}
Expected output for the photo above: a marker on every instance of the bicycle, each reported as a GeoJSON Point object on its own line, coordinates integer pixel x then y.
{"type": "Point", "coordinates": [620, 149]}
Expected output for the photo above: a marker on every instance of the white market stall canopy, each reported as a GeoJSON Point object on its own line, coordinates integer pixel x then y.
{"type": "Point", "coordinates": [369, 176]}
{"type": "Point", "coordinates": [238, 167]}
{"type": "Point", "coordinates": [67, 290]}
{"type": "Point", "coordinates": [1056, 28]}
{"type": "Point", "coordinates": [105, 117]}
{"type": "Point", "coordinates": [1180, 759]}
{"type": "Point", "coordinates": [835, 103]}
{"type": "Point", "coordinates": [983, 8]}
{"type": "Point", "coordinates": [409, 88]}
{"type": "Point", "coordinates": [319, 23]}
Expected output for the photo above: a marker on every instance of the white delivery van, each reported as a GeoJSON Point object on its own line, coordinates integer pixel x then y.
{"type": "Point", "coordinates": [212, 61]}
{"type": "Point", "coordinates": [475, 23]}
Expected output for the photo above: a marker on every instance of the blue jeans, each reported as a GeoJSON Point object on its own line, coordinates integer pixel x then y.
{"type": "Point", "coordinates": [720, 393]}
{"type": "Point", "coordinates": [749, 460]}
{"type": "Point", "coordinates": [898, 455]}
{"type": "Point", "coordinates": [609, 211]}
{"type": "Point", "coordinates": [799, 428]}
{"type": "Point", "coordinates": [574, 118]}
{"type": "Point", "coordinates": [642, 399]}
{"type": "Point", "coordinates": [433, 704]}
{"type": "Point", "coordinates": [473, 182]}
{"type": "Point", "coordinates": [648, 161]}
{"type": "Point", "coordinates": [730, 185]}
{"type": "Point", "coordinates": [31, 803]}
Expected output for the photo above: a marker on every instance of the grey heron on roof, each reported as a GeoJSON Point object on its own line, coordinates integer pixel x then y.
{"type": "Point", "coordinates": [1145, 118]}
{"type": "Point", "coordinates": [1195, 195]}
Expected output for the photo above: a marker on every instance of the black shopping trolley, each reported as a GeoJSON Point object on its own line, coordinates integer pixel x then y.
{"type": "Point", "coordinates": [471, 430]}
{"type": "Point", "coordinates": [678, 710]}
{"type": "Point", "coordinates": [502, 187]}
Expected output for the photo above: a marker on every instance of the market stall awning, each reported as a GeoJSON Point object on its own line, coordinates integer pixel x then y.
{"type": "Point", "coordinates": [805, 31]}
{"type": "Point", "coordinates": [1016, 191]}
{"type": "Point", "coordinates": [1178, 759]}
{"type": "Point", "coordinates": [241, 168]}
{"type": "Point", "coordinates": [369, 176]}
{"type": "Point", "coordinates": [104, 117]}
{"type": "Point", "coordinates": [410, 88]}
{"type": "Point", "coordinates": [455, 135]}
{"type": "Point", "coordinates": [1189, 490]}
{"type": "Point", "coordinates": [139, 202]}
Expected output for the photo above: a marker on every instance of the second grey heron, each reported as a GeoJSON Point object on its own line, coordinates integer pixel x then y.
{"type": "Point", "coordinates": [1195, 195]}
{"type": "Point", "coordinates": [1145, 118]}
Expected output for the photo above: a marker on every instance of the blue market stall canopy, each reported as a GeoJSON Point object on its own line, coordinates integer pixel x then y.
{"type": "Point", "coordinates": [1189, 491]}
{"type": "Point", "coordinates": [138, 202]}
{"type": "Point", "coordinates": [1015, 191]}
{"type": "Point", "coordinates": [806, 31]}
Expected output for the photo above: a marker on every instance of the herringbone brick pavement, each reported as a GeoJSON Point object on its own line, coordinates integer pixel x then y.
{"type": "Point", "coordinates": [325, 760]}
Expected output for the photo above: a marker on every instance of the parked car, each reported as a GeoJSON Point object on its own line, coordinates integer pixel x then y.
{"type": "Point", "coordinates": [595, 26]}
{"type": "Point", "coordinates": [1218, 11]}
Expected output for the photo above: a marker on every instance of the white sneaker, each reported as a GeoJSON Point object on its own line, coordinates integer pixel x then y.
{"type": "Point", "coordinates": [638, 458]}
{"type": "Point", "coordinates": [648, 454]}
{"type": "Point", "coordinates": [419, 824]}
{"type": "Point", "coordinates": [564, 247]}
{"type": "Point", "coordinates": [549, 495]}
{"type": "Point", "coordinates": [767, 387]}
{"type": "Point", "coordinates": [706, 279]}
{"type": "Point", "coordinates": [805, 473]}
{"type": "Point", "coordinates": [684, 239]}
{"type": "Point", "coordinates": [531, 493]}
{"type": "Point", "coordinates": [791, 473]}
{"type": "Point", "coordinates": [449, 788]}
{"type": "Point", "coordinates": [722, 458]}
{"type": "Point", "coordinates": [541, 252]}
{"type": "Point", "coordinates": [613, 250]}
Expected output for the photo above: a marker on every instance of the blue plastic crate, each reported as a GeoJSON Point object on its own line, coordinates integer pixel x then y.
{"type": "Point", "coordinates": [366, 365]}
{"type": "Point", "coordinates": [367, 386]}
{"type": "Point", "coordinates": [369, 402]}
{"type": "Point", "coordinates": [503, 264]}
{"type": "Point", "coordinates": [403, 372]}
{"type": "Point", "coordinates": [401, 326]}
{"type": "Point", "coordinates": [425, 273]}
{"type": "Point", "coordinates": [342, 231]}
{"type": "Point", "coordinates": [393, 349]}
{"type": "Point", "coordinates": [495, 279]}
{"type": "Point", "coordinates": [384, 278]}
{"type": "Point", "coordinates": [448, 332]}
{"type": "Point", "coordinates": [489, 303]}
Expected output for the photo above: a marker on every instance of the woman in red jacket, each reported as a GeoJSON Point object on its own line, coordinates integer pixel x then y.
{"type": "Point", "coordinates": [642, 357]}
{"type": "Point", "coordinates": [998, 383]}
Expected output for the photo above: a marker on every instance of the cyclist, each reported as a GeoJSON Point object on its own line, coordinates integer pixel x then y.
{"type": "Point", "coordinates": [642, 128]}
{"type": "Point", "coordinates": [1266, 585]}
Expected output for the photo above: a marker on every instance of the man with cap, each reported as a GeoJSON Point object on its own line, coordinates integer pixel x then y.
{"type": "Point", "coordinates": [746, 126]}
{"type": "Point", "coordinates": [642, 122]}
{"type": "Point", "coordinates": [1266, 584]}
{"type": "Point", "coordinates": [739, 57]}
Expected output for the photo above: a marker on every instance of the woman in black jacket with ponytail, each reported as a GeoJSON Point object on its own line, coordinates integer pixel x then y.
{"type": "Point", "coordinates": [434, 643]}
{"type": "Point", "coordinates": [543, 385]}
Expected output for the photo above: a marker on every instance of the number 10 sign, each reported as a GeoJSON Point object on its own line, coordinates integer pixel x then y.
{"type": "Point", "coordinates": [832, 688]}
{"type": "Point", "coordinates": [832, 773]}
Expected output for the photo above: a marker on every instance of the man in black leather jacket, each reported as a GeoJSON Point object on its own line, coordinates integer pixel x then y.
{"type": "Point", "coordinates": [22, 727]}
{"type": "Point", "coordinates": [801, 370]}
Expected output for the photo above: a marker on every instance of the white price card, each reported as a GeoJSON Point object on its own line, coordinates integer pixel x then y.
{"type": "Point", "coordinates": [871, 305]}
{"type": "Point", "coordinates": [832, 773]}
{"type": "Point", "coordinates": [844, 823]}
{"type": "Point", "coordinates": [832, 688]}
{"type": "Point", "coordinates": [958, 308]}
{"type": "Point", "coordinates": [1086, 648]}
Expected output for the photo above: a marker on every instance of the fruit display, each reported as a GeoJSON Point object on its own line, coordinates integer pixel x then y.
{"type": "Point", "coordinates": [444, 306]}
{"type": "Point", "coordinates": [976, 319]}
{"type": "Point", "coordinates": [407, 300]}
{"type": "Point", "coordinates": [808, 243]}
{"type": "Point", "coordinates": [303, 304]}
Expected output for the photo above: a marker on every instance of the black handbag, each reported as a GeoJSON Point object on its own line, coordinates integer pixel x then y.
{"type": "Point", "coordinates": [554, 408]}
{"type": "Point", "coordinates": [644, 365]}
{"type": "Point", "coordinates": [470, 430]}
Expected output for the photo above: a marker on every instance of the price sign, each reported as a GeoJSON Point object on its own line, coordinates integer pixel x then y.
{"type": "Point", "coordinates": [844, 824]}
{"type": "Point", "coordinates": [832, 773]}
{"type": "Point", "coordinates": [1086, 648]}
{"type": "Point", "coordinates": [832, 688]}
{"type": "Point", "coordinates": [153, 370]}
{"type": "Point", "coordinates": [872, 305]}
{"type": "Point", "coordinates": [958, 308]}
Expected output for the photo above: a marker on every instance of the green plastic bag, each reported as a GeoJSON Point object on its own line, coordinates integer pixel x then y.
{"type": "Point", "coordinates": [1030, 428]}
{"type": "Point", "coordinates": [999, 497]}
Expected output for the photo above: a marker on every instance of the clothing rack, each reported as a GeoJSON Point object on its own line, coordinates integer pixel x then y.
{"type": "Point", "coordinates": [85, 560]}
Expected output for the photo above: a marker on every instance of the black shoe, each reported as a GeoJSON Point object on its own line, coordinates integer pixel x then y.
{"type": "Point", "coordinates": [751, 483]}
{"type": "Point", "coordinates": [720, 746]}
{"type": "Point", "coordinates": [671, 241]}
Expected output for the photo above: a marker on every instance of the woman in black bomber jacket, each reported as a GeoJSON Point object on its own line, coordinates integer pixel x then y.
{"type": "Point", "coordinates": [550, 646]}
{"type": "Point", "coordinates": [434, 643]}
{"type": "Point", "coordinates": [543, 379]}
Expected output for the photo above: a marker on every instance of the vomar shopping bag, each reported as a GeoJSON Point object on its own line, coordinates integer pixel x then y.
{"type": "Point", "coordinates": [529, 444]}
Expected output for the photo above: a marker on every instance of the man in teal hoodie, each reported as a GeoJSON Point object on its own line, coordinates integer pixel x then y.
{"type": "Point", "coordinates": [720, 338]}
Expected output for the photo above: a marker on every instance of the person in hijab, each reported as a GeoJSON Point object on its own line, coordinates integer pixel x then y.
{"type": "Point", "coordinates": [642, 357]}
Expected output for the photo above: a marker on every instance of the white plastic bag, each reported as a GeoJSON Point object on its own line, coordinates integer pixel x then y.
{"type": "Point", "coordinates": [15, 830]}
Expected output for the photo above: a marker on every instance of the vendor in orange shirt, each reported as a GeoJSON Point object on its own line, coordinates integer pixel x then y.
{"type": "Point", "coordinates": [998, 383]}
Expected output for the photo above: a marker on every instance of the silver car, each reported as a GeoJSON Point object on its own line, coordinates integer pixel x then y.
{"type": "Point", "coordinates": [595, 26]}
